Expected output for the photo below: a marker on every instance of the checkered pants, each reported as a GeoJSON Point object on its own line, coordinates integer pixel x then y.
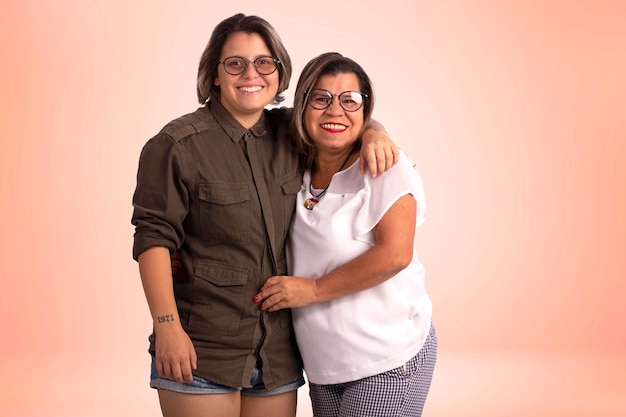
{"type": "Point", "coordinates": [400, 392]}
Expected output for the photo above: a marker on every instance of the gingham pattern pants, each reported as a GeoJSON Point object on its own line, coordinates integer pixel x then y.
{"type": "Point", "coordinates": [400, 392]}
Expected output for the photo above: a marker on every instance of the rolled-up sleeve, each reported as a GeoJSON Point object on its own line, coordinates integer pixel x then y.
{"type": "Point", "coordinates": [161, 199]}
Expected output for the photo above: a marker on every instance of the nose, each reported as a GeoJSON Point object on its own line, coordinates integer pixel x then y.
{"type": "Point", "coordinates": [250, 71]}
{"type": "Point", "coordinates": [334, 108]}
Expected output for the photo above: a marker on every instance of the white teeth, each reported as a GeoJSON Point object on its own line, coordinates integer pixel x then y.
{"type": "Point", "coordinates": [250, 89]}
{"type": "Point", "coordinates": [333, 126]}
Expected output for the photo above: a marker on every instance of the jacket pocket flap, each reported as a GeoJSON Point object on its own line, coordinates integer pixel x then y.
{"type": "Point", "coordinates": [221, 274]}
{"type": "Point", "coordinates": [223, 193]}
{"type": "Point", "coordinates": [292, 186]}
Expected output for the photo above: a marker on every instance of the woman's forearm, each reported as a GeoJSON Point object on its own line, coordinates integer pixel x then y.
{"type": "Point", "coordinates": [155, 268]}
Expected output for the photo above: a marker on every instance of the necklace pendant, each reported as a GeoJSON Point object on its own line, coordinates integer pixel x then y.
{"type": "Point", "coordinates": [309, 203]}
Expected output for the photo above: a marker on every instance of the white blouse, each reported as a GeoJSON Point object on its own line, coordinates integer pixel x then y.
{"type": "Point", "coordinates": [371, 331]}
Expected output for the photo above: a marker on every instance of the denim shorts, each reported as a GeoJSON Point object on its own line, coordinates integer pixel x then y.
{"type": "Point", "coordinates": [202, 386]}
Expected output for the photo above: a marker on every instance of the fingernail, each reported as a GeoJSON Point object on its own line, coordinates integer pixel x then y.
{"type": "Point", "coordinates": [255, 298]}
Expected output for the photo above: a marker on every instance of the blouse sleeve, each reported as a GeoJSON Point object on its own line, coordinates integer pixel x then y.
{"type": "Point", "coordinates": [380, 193]}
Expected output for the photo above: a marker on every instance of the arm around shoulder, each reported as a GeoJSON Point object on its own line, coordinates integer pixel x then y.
{"type": "Point", "coordinates": [378, 151]}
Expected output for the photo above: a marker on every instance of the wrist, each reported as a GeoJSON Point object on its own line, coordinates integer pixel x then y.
{"type": "Point", "coordinates": [162, 319]}
{"type": "Point", "coordinates": [376, 126]}
{"type": "Point", "coordinates": [317, 290]}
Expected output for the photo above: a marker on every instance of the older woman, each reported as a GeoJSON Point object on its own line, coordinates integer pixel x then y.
{"type": "Point", "coordinates": [360, 310]}
{"type": "Point", "coordinates": [216, 190]}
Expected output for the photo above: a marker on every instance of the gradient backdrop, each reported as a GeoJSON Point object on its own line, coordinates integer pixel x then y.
{"type": "Point", "coordinates": [514, 111]}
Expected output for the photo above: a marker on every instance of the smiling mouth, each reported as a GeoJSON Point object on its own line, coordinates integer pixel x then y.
{"type": "Point", "coordinates": [333, 126]}
{"type": "Point", "coordinates": [251, 89]}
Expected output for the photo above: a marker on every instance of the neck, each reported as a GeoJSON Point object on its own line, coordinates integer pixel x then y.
{"type": "Point", "coordinates": [327, 165]}
{"type": "Point", "coordinates": [248, 121]}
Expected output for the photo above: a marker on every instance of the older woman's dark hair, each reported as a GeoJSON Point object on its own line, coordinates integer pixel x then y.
{"type": "Point", "coordinates": [207, 70]}
{"type": "Point", "coordinates": [330, 63]}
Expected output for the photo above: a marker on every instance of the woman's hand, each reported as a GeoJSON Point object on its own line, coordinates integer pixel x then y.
{"type": "Point", "coordinates": [280, 292]}
{"type": "Point", "coordinates": [175, 355]}
{"type": "Point", "coordinates": [378, 151]}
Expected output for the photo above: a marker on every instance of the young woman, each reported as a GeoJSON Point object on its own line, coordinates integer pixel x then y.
{"type": "Point", "coordinates": [361, 314]}
{"type": "Point", "coordinates": [215, 194]}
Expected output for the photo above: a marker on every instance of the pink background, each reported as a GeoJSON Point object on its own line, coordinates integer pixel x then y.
{"type": "Point", "coordinates": [514, 111]}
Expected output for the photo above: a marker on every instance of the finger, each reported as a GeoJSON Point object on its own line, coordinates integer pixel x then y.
{"type": "Point", "coordinates": [273, 280]}
{"type": "Point", "coordinates": [185, 370]}
{"type": "Point", "coordinates": [392, 156]}
{"type": "Point", "coordinates": [160, 369]}
{"type": "Point", "coordinates": [389, 158]}
{"type": "Point", "coordinates": [177, 374]}
{"type": "Point", "coordinates": [194, 359]}
{"type": "Point", "coordinates": [268, 289]}
{"type": "Point", "coordinates": [372, 163]}
{"type": "Point", "coordinates": [396, 154]}
{"type": "Point", "coordinates": [261, 296]}
{"type": "Point", "coordinates": [275, 307]}
{"type": "Point", "coordinates": [279, 305]}
{"type": "Point", "coordinates": [270, 302]}
{"type": "Point", "coordinates": [382, 162]}
{"type": "Point", "coordinates": [167, 371]}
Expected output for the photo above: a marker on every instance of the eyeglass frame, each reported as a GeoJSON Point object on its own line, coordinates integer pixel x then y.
{"type": "Point", "coordinates": [332, 97]}
{"type": "Point", "coordinates": [247, 61]}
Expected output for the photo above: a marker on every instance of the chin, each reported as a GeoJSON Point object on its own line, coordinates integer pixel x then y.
{"type": "Point", "coordinates": [255, 103]}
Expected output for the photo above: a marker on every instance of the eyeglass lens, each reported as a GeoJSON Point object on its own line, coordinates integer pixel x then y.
{"type": "Point", "coordinates": [349, 100]}
{"type": "Point", "coordinates": [236, 65]}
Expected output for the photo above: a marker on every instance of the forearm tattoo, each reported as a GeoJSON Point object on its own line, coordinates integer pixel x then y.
{"type": "Point", "coordinates": [166, 318]}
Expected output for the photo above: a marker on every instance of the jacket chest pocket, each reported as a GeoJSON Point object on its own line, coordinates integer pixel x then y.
{"type": "Point", "coordinates": [225, 212]}
{"type": "Point", "coordinates": [290, 186]}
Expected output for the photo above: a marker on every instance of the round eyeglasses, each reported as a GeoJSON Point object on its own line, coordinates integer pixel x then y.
{"type": "Point", "coordinates": [321, 99]}
{"type": "Point", "coordinates": [264, 65]}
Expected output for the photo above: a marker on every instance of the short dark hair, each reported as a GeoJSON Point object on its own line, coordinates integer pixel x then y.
{"type": "Point", "coordinates": [330, 63]}
{"type": "Point", "coordinates": [207, 69]}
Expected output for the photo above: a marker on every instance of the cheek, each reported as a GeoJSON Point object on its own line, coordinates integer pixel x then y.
{"type": "Point", "coordinates": [357, 122]}
{"type": "Point", "coordinates": [274, 81]}
{"type": "Point", "coordinates": [309, 122]}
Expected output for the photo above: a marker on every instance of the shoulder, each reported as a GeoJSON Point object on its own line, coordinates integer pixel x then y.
{"type": "Point", "coordinates": [176, 131]}
{"type": "Point", "coordinates": [401, 178]}
{"type": "Point", "coordinates": [189, 124]}
{"type": "Point", "coordinates": [279, 116]}
{"type": "Point", "coordinates": [405, 162]}
{"type": "Point", "coordinates": [404, 170]}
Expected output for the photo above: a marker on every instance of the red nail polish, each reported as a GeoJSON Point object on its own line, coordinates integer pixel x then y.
{"type": "Point", "coordinates": [255, 298]}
